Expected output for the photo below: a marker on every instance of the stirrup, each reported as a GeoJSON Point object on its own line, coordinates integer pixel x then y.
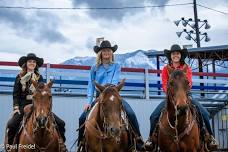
{"type": "Point", "coordinates": [136, 146]}
{"type": "Point", "coordinates": [140, 145]}
{"type": "Point", "coordinates": [212, 144]}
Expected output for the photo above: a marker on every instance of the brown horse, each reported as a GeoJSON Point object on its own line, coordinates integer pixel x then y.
{"type": "Point", "coordinates": [105, 130]}
{"type": "Point", "coordinates": [178, 130]}
{"type": "Point", "coordinates": [39, 133]}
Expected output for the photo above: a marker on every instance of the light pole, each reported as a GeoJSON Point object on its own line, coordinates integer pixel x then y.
{"type": "Point", "coordinates": [195, 34]}
{"type": "Point", "coordinates": [196, 23]}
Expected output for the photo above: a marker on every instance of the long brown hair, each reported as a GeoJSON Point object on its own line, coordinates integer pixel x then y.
{"type": "Point", "coordinates": [182, 59]}
{"type": "Point", "coordinates": [24, 70]}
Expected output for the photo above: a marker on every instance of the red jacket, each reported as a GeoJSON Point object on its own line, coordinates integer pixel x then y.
{"type": "Point", "coordinates": [165, 75]}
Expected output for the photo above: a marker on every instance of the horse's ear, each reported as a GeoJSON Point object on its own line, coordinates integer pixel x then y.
{"type": "Point", "coordinates": [99, 87]}
{"type": "Point", "coordinates": [121, 85]}
{"type": "Point", "coordinates": [35, 83]}
{"type": "Point", "coordinates": [50, 83]}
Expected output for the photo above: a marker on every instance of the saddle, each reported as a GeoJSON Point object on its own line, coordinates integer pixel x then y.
{"type": "Point", "coordinates": [123, 115]}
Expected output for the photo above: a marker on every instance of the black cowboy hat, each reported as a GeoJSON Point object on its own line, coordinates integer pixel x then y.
{"type": "Point", "coordinates": [30, 56]}
{"type": "Point", "coordinates": [105, 44]}
{"type": "Point", "coordinates": [176, 48]}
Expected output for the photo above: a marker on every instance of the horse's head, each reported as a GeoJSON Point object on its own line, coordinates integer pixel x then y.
{"type": "Point", "coordinates": [110, 107]}
{"type": "Point", "coordinates": [42, 103]}
{"type": "Point", "coordinates": [177, 91]}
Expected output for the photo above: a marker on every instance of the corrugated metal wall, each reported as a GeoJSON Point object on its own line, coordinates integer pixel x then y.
{"type": "Point", "coordinates": [221, 128]}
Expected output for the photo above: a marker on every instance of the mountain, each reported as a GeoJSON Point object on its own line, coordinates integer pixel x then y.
{"type": "Point", "coordinates": [80, 61]}
{"type": "Point", "coordinates": [139, 59]}
{"type": "Point", "coordinates": [136, 59]}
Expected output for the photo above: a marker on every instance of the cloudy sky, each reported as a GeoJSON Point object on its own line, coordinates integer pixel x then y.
{"type": "Point", "coordinates": [57, 35]}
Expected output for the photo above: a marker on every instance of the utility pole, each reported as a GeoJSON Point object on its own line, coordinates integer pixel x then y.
{"type": "Point", "coordinates": [196, 24]}
{"type": "Point", "coordinates": [198, 43]}
{"type": "Point", "coordinates": [195, 35]}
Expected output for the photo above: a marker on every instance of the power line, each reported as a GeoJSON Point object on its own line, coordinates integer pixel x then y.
{"type": "Point", "coordinates": [213, 9]}
{"type": "Point", "coordinates": [91, 8]}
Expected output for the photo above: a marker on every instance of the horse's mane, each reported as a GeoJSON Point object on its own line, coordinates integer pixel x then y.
{"type": "Point", "coordinates": [40, 86]}
{"type": "Point", "coordinates": [108, 88]}
{"type": "Point", "coordinates": [177, 73]}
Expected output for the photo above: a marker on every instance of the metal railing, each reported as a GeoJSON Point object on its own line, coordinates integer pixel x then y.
{"type": "Point", "coordinates": [140, 82]}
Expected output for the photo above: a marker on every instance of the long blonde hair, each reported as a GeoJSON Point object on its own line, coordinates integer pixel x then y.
{"type": "Point", "coordinates": [99, 59]}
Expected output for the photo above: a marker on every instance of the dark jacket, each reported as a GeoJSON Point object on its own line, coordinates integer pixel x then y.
{"type": "Point", "coordinates": [19, 96]}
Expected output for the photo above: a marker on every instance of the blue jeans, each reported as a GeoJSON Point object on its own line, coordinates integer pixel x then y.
{"type": "Point", "coordinates": [82, 120]}
{"type": "Point", "coordinates": [132, 117]}
{"type": "Point", "coordinates": [130, 114]}
{"type": "Point", "coordinates": [154, 117]}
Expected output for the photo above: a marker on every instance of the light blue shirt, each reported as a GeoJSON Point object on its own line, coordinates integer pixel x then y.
{"type": "Point", "coordinates": [102, 75]}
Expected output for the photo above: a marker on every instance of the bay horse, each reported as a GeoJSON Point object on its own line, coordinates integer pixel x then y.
{"type": "Point", "coordinates": [39, 131]}
{"type": "Point", "coordinates": [105, 130]}
{"type": "Point", "coordinates": [178, 130]}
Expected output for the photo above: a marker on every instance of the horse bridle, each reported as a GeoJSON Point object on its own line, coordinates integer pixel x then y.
{"type": "Point", "coordinates": [36, 124]}
{"type": "Point", "coordinates": [50, 115]}
{"type": "Point", "coordinates": [107, 128]}
{"type": "Point", "coordinates": [178, 136]}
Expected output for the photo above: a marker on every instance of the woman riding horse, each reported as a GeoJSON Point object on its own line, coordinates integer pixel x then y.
{"type": "Point", "coordinates": [176, 57]}
{"type": "Point", "coordinates": [106, 72]}
{"type": "Point", "coordinates": [23, 93]}
{"type": "Point", "coordinates": [106, 128]}
{"type": "Point", "coordinates": [178, 129]}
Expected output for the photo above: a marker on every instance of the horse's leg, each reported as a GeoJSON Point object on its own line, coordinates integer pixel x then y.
{"type": "Point", "coordinates": [6, 140]}
{"type": "Point", "coordinates": [22, 141]}
{"type": "Point", "coordinates": [93, 147]}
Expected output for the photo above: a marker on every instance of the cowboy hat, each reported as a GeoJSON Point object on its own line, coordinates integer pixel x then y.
{"type": "Point", "coordinates": [176, 48]}
{"type": "Point", "coordinates": [105, 44]}
{"type": "Point", "coordinates": [30, 56]}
